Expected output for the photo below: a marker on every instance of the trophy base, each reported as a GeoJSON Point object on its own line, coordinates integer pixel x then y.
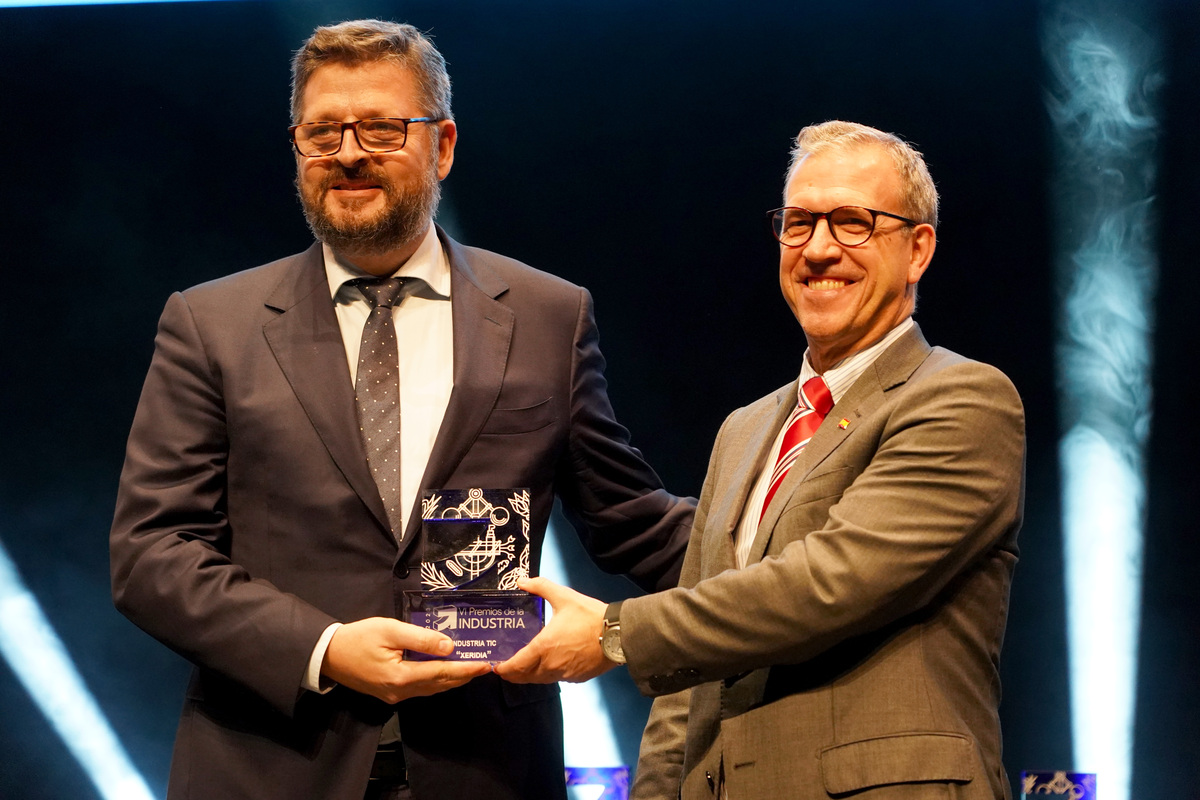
{"type": "Point", "coordinates": [485, 625]}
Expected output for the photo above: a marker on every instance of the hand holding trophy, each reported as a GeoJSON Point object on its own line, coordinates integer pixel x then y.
{"type": "Point", "coordinates": [476, 549]}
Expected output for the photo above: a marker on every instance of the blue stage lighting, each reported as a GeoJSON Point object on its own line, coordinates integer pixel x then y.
{"type": "Point", "coordinates": [1105, 137]}
{"type": "Point", "coordinates": [41, 662]}
{"type": "Point", "coordinates": [588, 730]}
{"type": "Point", "coordinates": [31, 3]}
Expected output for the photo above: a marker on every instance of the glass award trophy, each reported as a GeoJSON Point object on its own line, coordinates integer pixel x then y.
{"type": "Point", "coordinates": [476, 548]}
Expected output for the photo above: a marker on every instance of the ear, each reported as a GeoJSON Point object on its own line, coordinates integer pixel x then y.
{"type": "Point", "coordinates": [922, 243]}
{"type": "Point", "coordinates": [447, 137]}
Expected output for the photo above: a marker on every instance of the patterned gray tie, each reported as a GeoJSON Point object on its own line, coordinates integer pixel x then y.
{"type": "Point", "coordinates": [377, 392]}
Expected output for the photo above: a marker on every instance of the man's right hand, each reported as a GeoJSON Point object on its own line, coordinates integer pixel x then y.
{"type": "Point", "coordinates": [368, 656]}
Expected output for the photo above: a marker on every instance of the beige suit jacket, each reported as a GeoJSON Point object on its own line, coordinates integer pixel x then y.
{"type": "Point", "coordinates": [857, 653]}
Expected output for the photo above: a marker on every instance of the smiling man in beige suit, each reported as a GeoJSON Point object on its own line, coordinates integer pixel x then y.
{"type": "Point", "coordinates": [838, 625]}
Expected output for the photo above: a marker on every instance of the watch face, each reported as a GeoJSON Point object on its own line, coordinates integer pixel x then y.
{"type": "Point", "coordinates": [610, 643]}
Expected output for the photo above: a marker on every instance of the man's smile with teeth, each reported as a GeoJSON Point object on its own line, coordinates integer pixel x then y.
{"type": "Point", "coordinates": [825, 284]}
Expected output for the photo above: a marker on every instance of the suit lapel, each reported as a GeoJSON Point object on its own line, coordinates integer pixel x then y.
{"type": "Point", "coordinates": [751, 444]}
{"type": "Point", "coordinates": [307, 344]}
{"type": "Point", "coordinates": [893, 368]}
{"type": "Point", "coordinates": [482, 336]}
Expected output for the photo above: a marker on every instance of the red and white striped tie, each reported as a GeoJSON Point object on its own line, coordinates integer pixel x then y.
{"type": "Point", "coordinates": [801, 425]}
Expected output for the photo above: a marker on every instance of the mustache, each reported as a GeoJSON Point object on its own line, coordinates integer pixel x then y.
{"type": "Point", "coordinates": [338, 173]}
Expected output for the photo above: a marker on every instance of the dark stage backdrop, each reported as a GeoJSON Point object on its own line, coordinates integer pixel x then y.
{"type": "Point", "coordinates": [627, 146]}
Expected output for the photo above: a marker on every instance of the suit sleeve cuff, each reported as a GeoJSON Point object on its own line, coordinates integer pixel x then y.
{"type": "Point", "coordinates": [313, 680]}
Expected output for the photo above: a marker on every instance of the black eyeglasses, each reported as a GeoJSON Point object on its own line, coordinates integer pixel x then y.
{"type": "Point", "coordinates": [850, 225]}
{"type": "Point", "coordinates": [374, 135]}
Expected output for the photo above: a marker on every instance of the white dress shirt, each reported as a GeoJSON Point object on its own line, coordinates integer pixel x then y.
{"type": "Point", "coordinates": [424, 328]}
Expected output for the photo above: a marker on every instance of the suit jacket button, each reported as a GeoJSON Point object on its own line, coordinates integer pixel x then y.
{"type": "Point", "coordinates": [712, 785]}
{"type": "Point", "coordinates": [402, 570]}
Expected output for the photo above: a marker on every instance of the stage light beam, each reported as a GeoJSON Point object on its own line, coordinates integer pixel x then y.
{"type": "Point", "coordinates": [1105, 136]}
{"type": "Point", "coordinates": [40, 661]}
{"type": "Point", "coordinates": [588, 735]}
{"type": "Point", "coordinates": [35, 3]}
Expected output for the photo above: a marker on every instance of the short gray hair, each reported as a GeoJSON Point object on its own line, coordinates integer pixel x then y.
{"type": "Point", "coordinates": [363, 41]}
{"type": "Point", "coordinates": [919, 195]}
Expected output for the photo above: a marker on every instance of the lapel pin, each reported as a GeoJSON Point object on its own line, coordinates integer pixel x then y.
{"type": "Point", "coordinates": [845, 423]}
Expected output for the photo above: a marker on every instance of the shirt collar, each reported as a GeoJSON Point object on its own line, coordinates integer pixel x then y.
{"type": "Point", "coordinates": [842, 375]}
{"type": "Point", "coordinates": [428, 263]}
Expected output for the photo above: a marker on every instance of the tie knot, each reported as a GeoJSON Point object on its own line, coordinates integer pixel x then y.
{"type": "Point", "coordinates": [380, 291]}
{"type": "Point", "coordinates": [817, 394]}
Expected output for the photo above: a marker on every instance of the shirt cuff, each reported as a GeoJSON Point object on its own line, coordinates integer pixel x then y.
{"type": "Point", "coordinates": [313, 680]}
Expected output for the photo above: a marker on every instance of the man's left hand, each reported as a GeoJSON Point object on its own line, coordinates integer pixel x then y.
{"type": "Point", "coordinates": [568, 649]}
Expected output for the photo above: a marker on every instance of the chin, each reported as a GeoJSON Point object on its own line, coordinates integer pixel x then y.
{"type": "Point", "coordinates": [337, 207]}
{"type": "Point", "coordinates": [353, 220]}
{"type": "Point", "coordinates": [822, 330]}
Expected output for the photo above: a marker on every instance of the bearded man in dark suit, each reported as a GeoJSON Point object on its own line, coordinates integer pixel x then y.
{"type": "Point", "coordinates": [257, 534]}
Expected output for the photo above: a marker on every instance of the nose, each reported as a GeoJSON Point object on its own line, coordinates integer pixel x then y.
{"type": "Point", "coordinates": [351, 152]}
{"type": "Point", "coordinates": [821, 246]}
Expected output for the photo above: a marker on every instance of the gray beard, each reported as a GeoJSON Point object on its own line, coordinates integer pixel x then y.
{"type": "Point", "coordinates": [404, 219]}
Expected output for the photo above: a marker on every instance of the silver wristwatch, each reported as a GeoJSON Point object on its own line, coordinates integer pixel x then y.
{"type": "Point", "coordinates": [610, 638]}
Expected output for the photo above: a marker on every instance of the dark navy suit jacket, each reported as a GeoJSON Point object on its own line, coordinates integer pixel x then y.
{"type": "Point", "coordinates": [247, 522]}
